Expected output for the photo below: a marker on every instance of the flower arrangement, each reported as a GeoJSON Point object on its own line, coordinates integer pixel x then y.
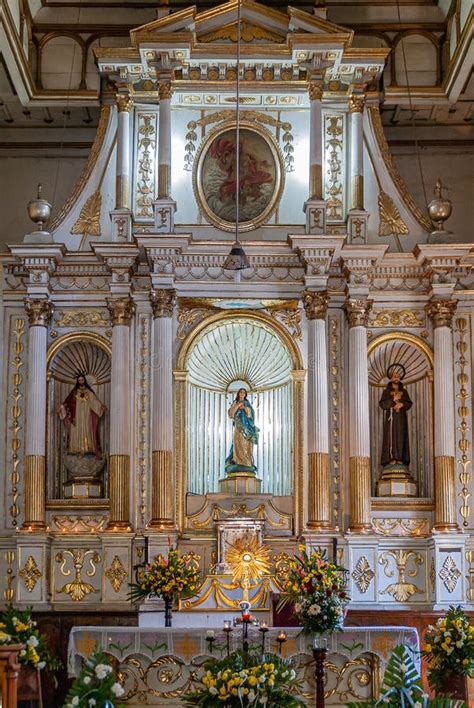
{"type": "Point", "coordinates": [18, 627]}
{"type": "Point", "coordinates": [449, 648]}
{"type": "Point", "coordinates": [318, 589]}
{"type": "Point", "coordinates": [247, 679]}
{"type": "Point", "coordinates": [165, 576]}
{"type": "Point", "coordinates": [96, 685]}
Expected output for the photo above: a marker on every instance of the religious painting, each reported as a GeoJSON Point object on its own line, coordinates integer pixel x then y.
{"type": "Point", "coordinates": [259, 182]}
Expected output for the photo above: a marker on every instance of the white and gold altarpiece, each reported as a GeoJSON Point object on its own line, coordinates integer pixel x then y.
{"type": "Point", "coordinates": [127, 287]}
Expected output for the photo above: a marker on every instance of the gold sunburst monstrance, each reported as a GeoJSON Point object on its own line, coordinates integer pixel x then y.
{"type": "Point", "coordinates": [249, 561]}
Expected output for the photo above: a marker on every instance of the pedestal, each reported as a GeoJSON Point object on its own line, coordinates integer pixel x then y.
{"type": "Point", "coordinates": [315, 210]}
{"type": "Point", "coordinates": [396, 481]}
{"type": "Point", "coordinates": [240, 484]}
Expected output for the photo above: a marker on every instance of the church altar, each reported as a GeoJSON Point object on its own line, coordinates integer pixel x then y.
{"type": "Point", "coordinates": [158, 665]}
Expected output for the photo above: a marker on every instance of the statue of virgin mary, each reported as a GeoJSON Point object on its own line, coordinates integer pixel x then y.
{"type": "Point", "coordinates": [245, 435]}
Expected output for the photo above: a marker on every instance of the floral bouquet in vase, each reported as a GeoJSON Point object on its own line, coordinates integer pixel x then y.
{"type": "Point", "coordinates": [18, 627]}
{"type": "Point", "coordinates": [449, 652]}
{"type": "Point", "coordinates": [167, 577]}
{"type": "Point", "coordinates": [317, 588]}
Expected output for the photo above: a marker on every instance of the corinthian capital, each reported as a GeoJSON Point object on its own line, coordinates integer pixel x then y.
{"type": "Point", "coordinates": [356, 104]}
{"type": "Point", "coordinates": [315, 304]}
{"type": "Point", "coordinates": [124, 102]}
{"type": "Point", "coordinates": [315, 91]}
{"type": "Point", "coordinates": [163, 302]}
{"type": "Point", "coordinates": [441, 312]}
{"type": "Point", "coordinates": [121, 310]}
{"type": "Point", "coordinates": [39, 312]}
{"type": "Point", "coordinates": [357, 311]}
{"type": "Point", "coordinates": [164, 90]}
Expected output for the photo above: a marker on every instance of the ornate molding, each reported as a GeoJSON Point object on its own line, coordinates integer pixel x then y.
{"type": "Point", "coordinates": [116, 574]}
{"type": "Point", "coordinates": [82, 318]}
{"type": "Point", "coordinates": [401, 527]}
{"type": "Point", "coordinates": [356, 104]}
{"type": "Point", "coordinates": [397, 318]}
{"type": "Point", "coordinates": [124, 102]}
{"type": "Point", "coordinates": [16, 410]}
{"type": "Point", "coordinates": [165, 90]}
{"type": "Point", "coordinates": [39, 312]}
{"type": "Point", "coordinates": [121, 310]}
{"type": "Point", "coordinates": [315, 91]}
{"type": "Point", "coordinates": [450, 574]}
{"type": "Point", "coordinates": [401, 590]}
{"type": "Point", "coordinates": [390, 221]}
{"type": "Point", "coordinates": [441, 312]}
{"type": "Point", "coordinates": [357, 311]}
{"type": "Point", "coordinates": [363, 574]}
{"type": "Point", "coordinates": [316, 304]}
{"type": "Point", "coordinates": [30, 573]}
{"type": "Point", "coordinates": [78, 589]}
{"type": "Point", "coordinates": [463, 411]}
{"type": "Point", "coordinates": [67, 524]}
{"type": "Point", "coordinates": [163, 302]}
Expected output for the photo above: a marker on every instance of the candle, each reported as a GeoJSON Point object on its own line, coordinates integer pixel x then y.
{"type": "Point", "coordinates": [227, 626]}
{"type": "Point", "coordinates": [246, 616]}
{"type": "Point", "coordinates": [210, 634]}
{"type": "Point", "coordinates": [281, 636]}
{"type": "Point", "coordinates": [264, 627]}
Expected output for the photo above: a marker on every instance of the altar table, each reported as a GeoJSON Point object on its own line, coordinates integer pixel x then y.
{"type": "Point", "coordinates": [158, 665]}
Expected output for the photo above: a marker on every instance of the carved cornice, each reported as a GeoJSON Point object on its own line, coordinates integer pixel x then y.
{"type": "Point", "coordinates": [441, 312]}
{"type": "Point", "coordinates": [357, 311]}
{"type": "Point", "coordinates": [121, 310]}
{"type": "Point", "coordinates": [39, 312]}
{"type": "Point", "coordinates": [124, 102]}
{"type": "Point", "coordinates": [163, 302]}
{"type": "Point", "coordinates": [316, 304]}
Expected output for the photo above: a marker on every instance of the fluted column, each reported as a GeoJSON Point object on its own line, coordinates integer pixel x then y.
{"type": "Point", "coordinates": [315, 142]}
{"type": "Point", "coordinates": [122, 191]}
{"type": "Point", "coordinates": [121, 310]}
{"type": "Point", "coordinates": [356, 109]}
{"type": "Point", "coordinates": [39, 314]}
{"type": "Point", "coordinates": [357, 311]}
{"type": "Point", "coordinates": [162, 500]}
{"type": "Point", "coordinates": [319, 483]}
{"type": "Point", "coordinates": [441, 313]}
{"type": "Point", "coordinates": [164, 140]}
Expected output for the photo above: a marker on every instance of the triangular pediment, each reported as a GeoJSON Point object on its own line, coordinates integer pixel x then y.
{"type": "Point", "coordinates": [259, 23]}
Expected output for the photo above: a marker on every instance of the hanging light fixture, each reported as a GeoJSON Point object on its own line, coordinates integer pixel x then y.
{"type": "Point", "coordinates": [237, 259]}
{"type": "Point", "coordinates": [440, 208]}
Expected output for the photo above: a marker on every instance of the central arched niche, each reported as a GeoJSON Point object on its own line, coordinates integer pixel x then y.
{"type": "Point", "coordinates": [226, 355]}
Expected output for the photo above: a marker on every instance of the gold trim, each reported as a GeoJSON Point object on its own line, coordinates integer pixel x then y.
{"type": "Point", "coordinates": [316, 181]}
{"type": "Point", "coordinates": [162, 489]}
{"type": "Point", "coordinates": [464, 443]}
{"type": "Point", "coordinates": [30, 573]}
{"type": "Point", "coordinates": [319, 489]}
{"type": "Point", "coordinates": [404, 337]}
{"type": "Point", "coordinates": [77, 337]}
{"type": "Point", "coordinates": [124, 102]}
{"type": "Point", "coordinates": [358, 192]}
{"type": "Point", "coordinates": [376, 121]}
{"type": "Point", "coordinates": [402, 504]}
{"type": "Point", "coordinates": [445, 494]}
{"type": "Point", "coordinates": [315, 303]}
{"type": "Point", "coordinates": [357, 311]}
{"type": "Point", "coordinates": [35, 492]}
{"type": "Point", "coordinates": [116, 574]}
{"type": "Point", "coordinates": [441, 312]}
{"type": "Point", "coordinates": [197, 176]}
{"type": "Point", "coordinates": [122, 310]}
{"type": "Point", "coordinates": [39, 311]}
{"type": "Point", "coordinates": [119, 492]}
{"type": "Point", "coordinates": [359, 490]}
{"type": "Point", "coordinates": [122, 192]}
{"type": "Point", "coordinates": [87, 171]}
{"type": "Point", "coordinates": [164, 181]}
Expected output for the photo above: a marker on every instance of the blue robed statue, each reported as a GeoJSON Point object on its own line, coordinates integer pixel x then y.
{"type": "Point", "coordinates": [240, 457]}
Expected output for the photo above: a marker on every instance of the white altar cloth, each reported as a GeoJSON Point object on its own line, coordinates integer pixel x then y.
{"type": "Point", "coordinates": [159, 665]}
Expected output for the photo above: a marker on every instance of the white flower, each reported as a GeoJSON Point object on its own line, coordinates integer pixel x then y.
{"type": "Point", "coordinates": [101, 671]}
{"type": "Point", "coordinates": [297, 607]}
{"type": "Point", "coordinates": [117, 689]}
{"type": "Point", "coordinates": [251, 695]}
{"type": "Point", "coordinates": [242, 675]}
{"type": "Point", "coordinates": [213, 691]}
{"type": "Point", "coordinates": [40, 665]}
{"type": "Point", "coordinates": [447, 634]}
{"type": "Point", "coordinates": [418, 705]}
{"type": "Point", "coordinates": [14, 620]}
{"type": "Point", "coordinates": [75, 701]}
{"type": "Point", "coordinates": [86, 679]}
{"type": "Point", "coordinates": [264, 700]}
{"type": "Point", "coordinates": [292, 675]}
{"type": "Point", "coordinates": [92, 702]}
{"type": "Point", "coordinates": [262, 678]}
{"type": "Point", "coordinates": [32, 641]}
{"type": "Point", "coordinates": [314, 610]}
{"type": "Point", "coordinates": [23, 652]}
{"type": "Point", "coordinates": [459, 644]}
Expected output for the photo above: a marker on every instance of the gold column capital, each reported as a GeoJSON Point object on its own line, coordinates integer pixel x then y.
{"type": "Point", "coordinates": [441, 312]}
{"type": "Point", "coordinates": [356, 103]}
{"type": "Point", "coordinates": [121, 310]}
{"type": "Point", "coordinates": [357, 311]}
{"type": "Point", "coordinates": [316, 304]}
{"type": "Point", "coordinates": [315, 90]}
{"type": "Point", "coordinates": [165, 90]}
{"type": "Point", "coordinates": [39, 311]}
{"type": "Point", "coordinates": [163, 302]}
{"type": "Point", "coordinates": [124, 102]}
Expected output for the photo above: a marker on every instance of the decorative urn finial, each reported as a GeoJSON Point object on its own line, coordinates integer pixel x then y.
{"type": "Point", "coordinates": [39, 209]}
{"type": "Point", "coordinates": [439, 209]}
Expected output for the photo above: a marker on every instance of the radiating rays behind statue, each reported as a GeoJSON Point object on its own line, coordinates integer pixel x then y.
{"type": "Point", "coordinates": [249, 561]}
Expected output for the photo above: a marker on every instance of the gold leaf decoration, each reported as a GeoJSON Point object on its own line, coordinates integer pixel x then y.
{"type": "Point", "coordinates": [116, 573]}
{"type": "Point", "coordinates": [30, 573]}
{"type": "Point", "coordinates": [249, 561]}
{"type": "Point", "coordinates": [88, 223]}
{"type": "Point", "coordinates": [391, 223]}
{"type": "Point", "coordinates": [248, 33]}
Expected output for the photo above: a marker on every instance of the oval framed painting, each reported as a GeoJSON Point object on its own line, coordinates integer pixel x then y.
{"type": "Point", "coordinates": [261, 176]}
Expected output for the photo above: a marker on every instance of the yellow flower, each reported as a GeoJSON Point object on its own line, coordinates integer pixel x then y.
{"type": "Point", "coordinates": [428, 647]}
{"type": "Point", "coordinates": [252, 681]}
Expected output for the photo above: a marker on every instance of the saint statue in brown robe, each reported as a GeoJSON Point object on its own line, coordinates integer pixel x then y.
{"type": "Point", "coordinates": [395, 402]}
{"type": "Point", "coordinates": [81, 412]}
